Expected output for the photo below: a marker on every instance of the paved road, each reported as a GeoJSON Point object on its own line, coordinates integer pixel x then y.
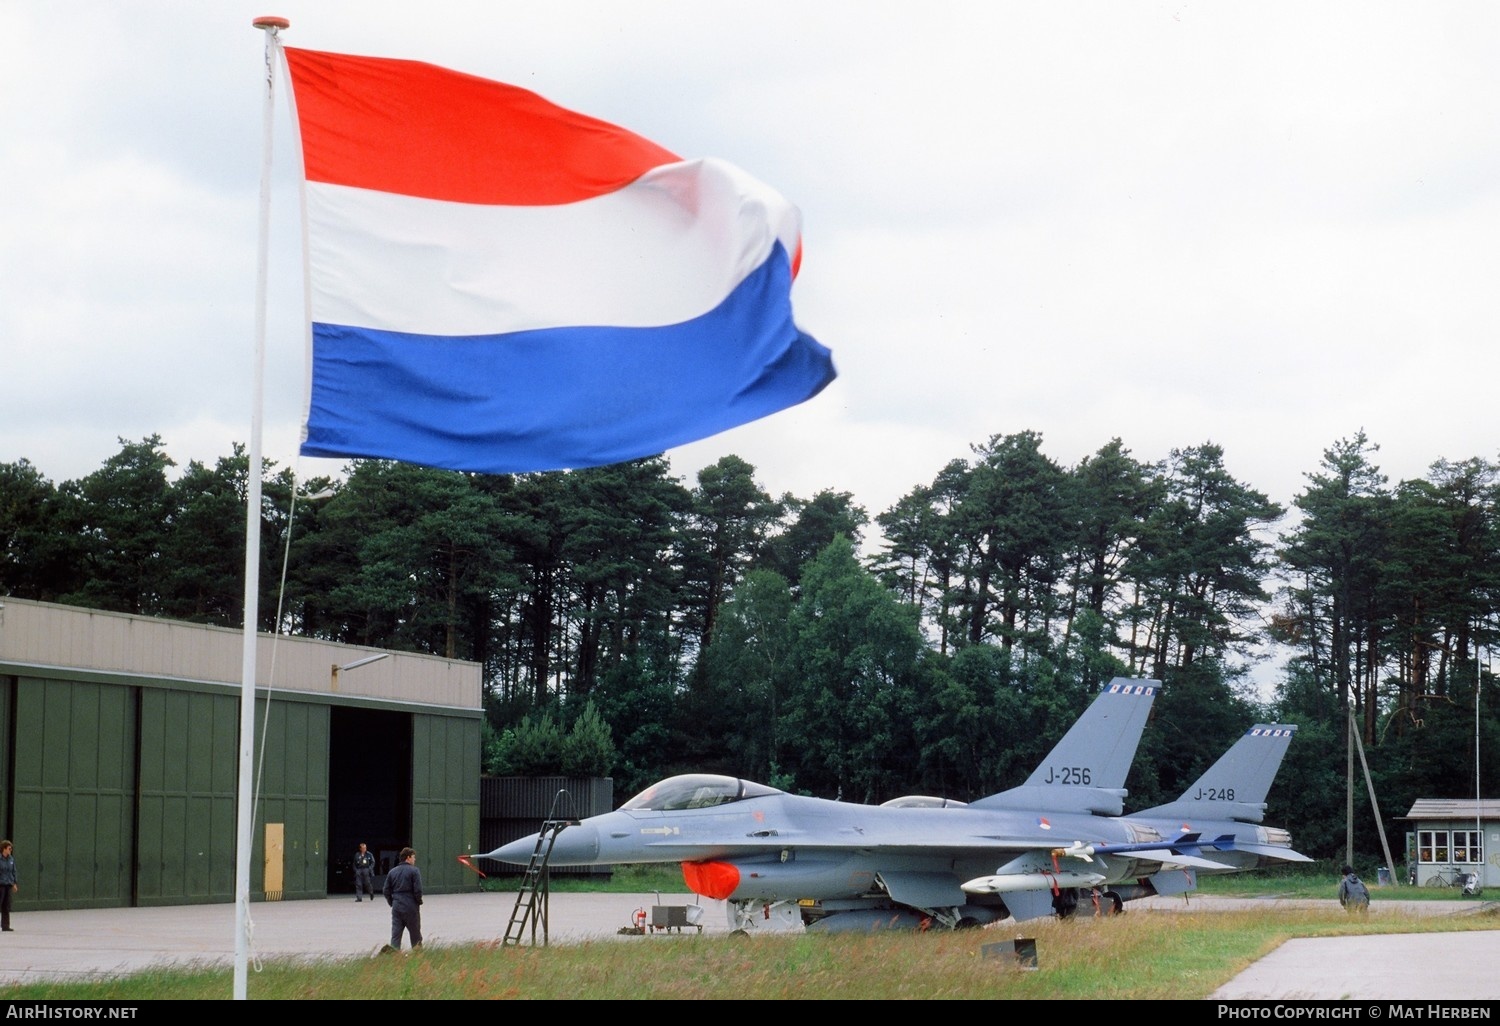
{"type": "Point", "coordinates": [1396, 967]}
{"type": "Point", "coordinates": [89, 944]}
{"type": "Point", "coordinates": [1409, 967]}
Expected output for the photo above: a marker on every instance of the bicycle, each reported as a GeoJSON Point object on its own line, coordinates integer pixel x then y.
{"type": "Point", "coordinates": [1452, 876]}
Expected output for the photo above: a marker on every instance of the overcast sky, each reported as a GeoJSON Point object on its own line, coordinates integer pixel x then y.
{"type": "Point", "coordinates": [1261, 225]}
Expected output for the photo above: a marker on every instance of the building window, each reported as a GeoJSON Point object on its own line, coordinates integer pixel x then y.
{"type": "Point", "coordinates": [1468, 846]}
{"type": "Point", "coordinates": [1436, 846]}
{"type": "Point", "coordinates": [1432, 846]}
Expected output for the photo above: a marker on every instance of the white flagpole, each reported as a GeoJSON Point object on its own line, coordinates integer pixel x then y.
{"type": "Point", "coordinates": [253, 515]}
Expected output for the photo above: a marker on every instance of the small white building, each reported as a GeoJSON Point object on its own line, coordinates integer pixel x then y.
{"type": "Point", "coordinates": [1453, 836]}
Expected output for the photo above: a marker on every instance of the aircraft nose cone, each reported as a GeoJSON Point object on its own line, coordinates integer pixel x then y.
{"type": "Point", "coordinates": [576, 845]}
{"type": "Point", "coordinates": [517, 852]}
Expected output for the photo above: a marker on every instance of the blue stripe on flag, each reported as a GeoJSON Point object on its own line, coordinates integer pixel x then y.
{"type": "Point", "coordinates": [562, 397]}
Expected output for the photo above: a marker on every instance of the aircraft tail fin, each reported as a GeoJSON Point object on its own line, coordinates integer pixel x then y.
{"type": "Point", "coordinates": [1086, 770]}
{"type": "Point", "coordinates": [1235, 787]}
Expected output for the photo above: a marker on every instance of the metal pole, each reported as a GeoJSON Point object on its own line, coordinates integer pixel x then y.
{"type": "Point", "coordinates": [1364, 762]}
{"type": "Point", "coordinates": [1349, 784]}
{"type": "Point", "coordinates": [244, 809]}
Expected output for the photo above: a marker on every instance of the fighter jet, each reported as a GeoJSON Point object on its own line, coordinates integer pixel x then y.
{"type": "Point", "coordinates": [839, 865]}
{"type": "Point", "coordinates": [1226, 805]}
{"type": "Point", "coordinates": [1211, 829]}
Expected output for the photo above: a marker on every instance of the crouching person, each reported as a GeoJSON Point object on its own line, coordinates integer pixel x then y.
{"type": "Point", "coordinates": [1353, 894]}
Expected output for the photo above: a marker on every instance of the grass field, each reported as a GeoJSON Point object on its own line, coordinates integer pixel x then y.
{"type": "Point", "coordinates": [1291, 882]}
{"type": "Point", "coordinates": [1182, 955]}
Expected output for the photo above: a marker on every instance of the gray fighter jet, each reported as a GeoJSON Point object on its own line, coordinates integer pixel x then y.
{"type": "Point", "coordinates": [915, 862]}
{"type": "Point", "coordinates": [1213, 828]}
{"type": "Point", "coordinates": [1228, 803]}
{"type": "Point", "coordinates": [839, 864]}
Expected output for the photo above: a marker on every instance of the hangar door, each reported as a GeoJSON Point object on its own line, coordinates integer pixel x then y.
{"type": "Point", "coordinates": [399, 779]}
{"type": "Point", "coordinates": [445, 797]}
{"type": "Point", "coordinates": [369, 794]}
{"type": "Point", "coordinates": [188, 788]}
{"type": "Point", "coordinates": [73, 789]}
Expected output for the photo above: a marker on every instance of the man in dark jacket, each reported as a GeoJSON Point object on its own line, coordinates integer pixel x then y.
{"type": "Point", "coordinates": [403, 893]}
{"type": "Point", "coordinates": [9, 883]}
{"type": "Point", "coordinates": [364, 874]}
{"type": "Point", "coordinates": [1353, 894]}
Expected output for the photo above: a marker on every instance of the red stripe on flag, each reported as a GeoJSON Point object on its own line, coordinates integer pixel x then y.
{"type": "Point", "coordinates": [420, 130]}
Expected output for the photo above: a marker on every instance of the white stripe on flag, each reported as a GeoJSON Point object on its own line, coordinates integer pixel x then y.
{"type": "Point", "coordinates": [665, 249]}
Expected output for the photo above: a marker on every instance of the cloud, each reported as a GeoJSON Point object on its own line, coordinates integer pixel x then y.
{"type": "Point", "coordinates": [1171, 223]}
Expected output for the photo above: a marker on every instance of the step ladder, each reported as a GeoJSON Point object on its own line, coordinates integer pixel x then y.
{"type": "Point", "coordinates": [532, 898]}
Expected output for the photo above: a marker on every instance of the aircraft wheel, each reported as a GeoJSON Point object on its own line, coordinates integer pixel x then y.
{"type": "Point", "coordinates": [1112, 903]}
{"type": "Point", "coordinates": [1065, 904]}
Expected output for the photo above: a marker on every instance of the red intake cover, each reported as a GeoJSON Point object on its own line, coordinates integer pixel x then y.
{"type": "Point", "coordinates": [711, 879]}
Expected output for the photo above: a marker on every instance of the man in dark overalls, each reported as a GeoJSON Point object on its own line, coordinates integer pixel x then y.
{"type": "Point", "coordinates": [364, 874]}
{"type": "Point", "coordinates": [403, 893]}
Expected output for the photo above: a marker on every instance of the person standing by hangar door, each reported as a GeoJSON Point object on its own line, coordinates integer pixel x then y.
{"type": "Point", "coordinates": [9, 884]}
{"type": "Point", "coordinates": [364, 873]}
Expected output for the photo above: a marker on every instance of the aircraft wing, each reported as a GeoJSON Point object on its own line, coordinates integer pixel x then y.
{"type": "Point", "coordinates": [1172, 859]}
{"type": "Point", "coordinates": [1182, 852]}
{"type": "Point", "coordinates": [1274, 851]}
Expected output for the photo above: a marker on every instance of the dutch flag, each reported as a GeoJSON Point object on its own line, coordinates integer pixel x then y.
{"type": "Point", "coordinates": [498, 284]}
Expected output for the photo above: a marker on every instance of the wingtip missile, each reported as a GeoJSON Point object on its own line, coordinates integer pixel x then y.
{"type": "Point", "coordinates": [1076, 850]}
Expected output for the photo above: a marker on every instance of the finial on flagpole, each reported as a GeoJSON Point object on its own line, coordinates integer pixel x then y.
{"type": "Point", "coordinates": [271, 21]}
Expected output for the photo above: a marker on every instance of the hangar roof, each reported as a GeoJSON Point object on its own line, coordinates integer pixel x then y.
{"type": "Point", "coordinates": [44, 634]}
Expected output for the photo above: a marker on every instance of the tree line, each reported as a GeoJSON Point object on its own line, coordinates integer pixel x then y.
{"type": "Point", "coordinates": [629, 623]}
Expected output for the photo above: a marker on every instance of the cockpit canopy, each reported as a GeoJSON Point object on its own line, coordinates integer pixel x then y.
{"type": "Point", "coordinates": [695, 791]}
{"type": "Point", "coordinates": [922, 801]}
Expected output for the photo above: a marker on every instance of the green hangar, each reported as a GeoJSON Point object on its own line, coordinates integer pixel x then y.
{"type": "Point", "coordinates": [119, 760]}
